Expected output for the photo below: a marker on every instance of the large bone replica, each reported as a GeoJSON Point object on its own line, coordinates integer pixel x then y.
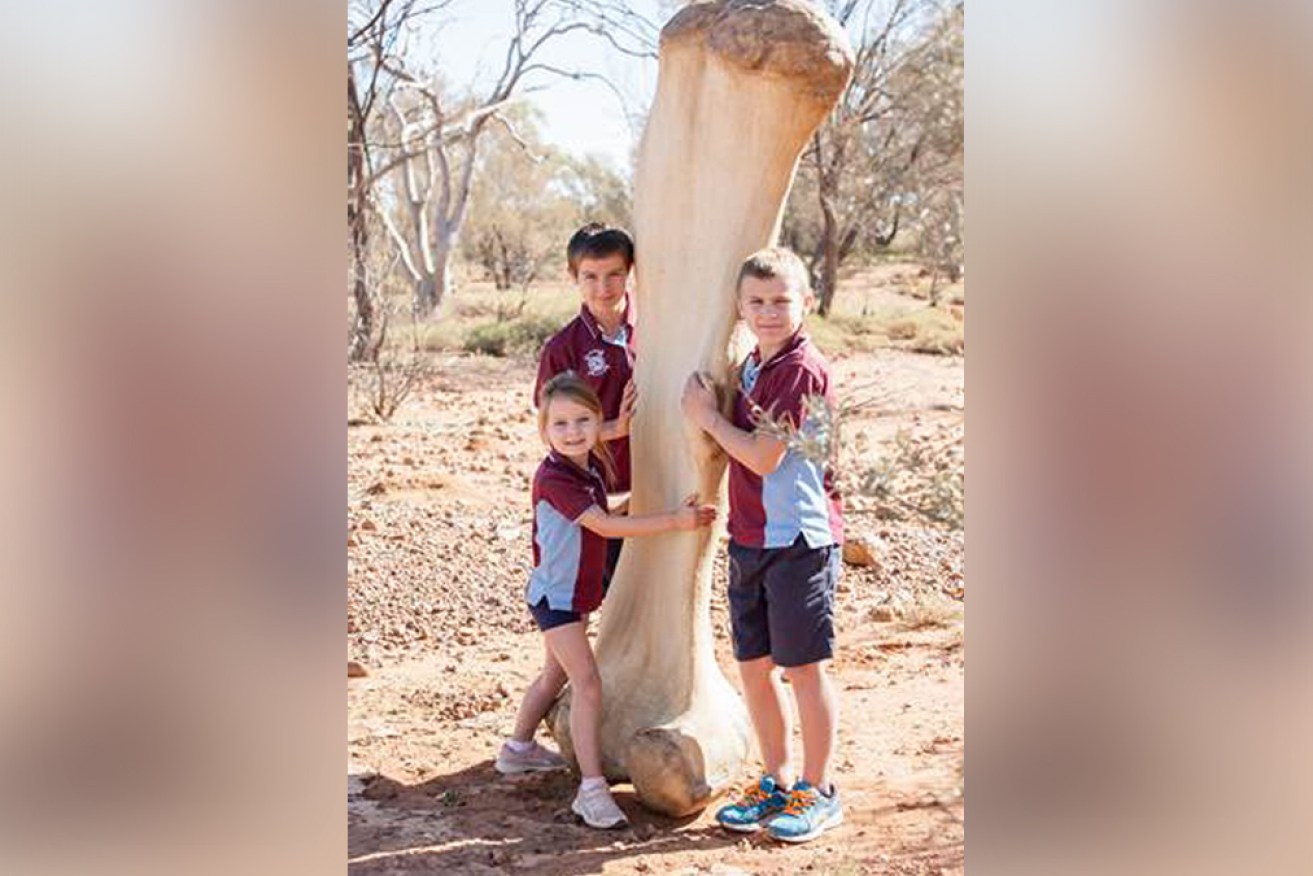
{"type": "Point", "coordinates": [743, 85]}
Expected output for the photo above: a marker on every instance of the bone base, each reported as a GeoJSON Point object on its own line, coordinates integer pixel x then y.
{"type": "Point", "coordinates": [677, 769]}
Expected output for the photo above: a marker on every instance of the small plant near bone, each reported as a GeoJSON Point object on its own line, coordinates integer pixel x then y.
{"type": "Point", "coordinates": [919, 477]}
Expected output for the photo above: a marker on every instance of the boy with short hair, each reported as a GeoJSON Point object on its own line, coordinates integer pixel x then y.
{"type": "Point", "coordinates": [598, 344]}
{"type": "Point", "coordinates": [786, 528]}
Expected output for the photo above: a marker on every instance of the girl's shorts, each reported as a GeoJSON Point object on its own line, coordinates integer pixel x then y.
{"type": "Point", "coordinates": [549, 618]}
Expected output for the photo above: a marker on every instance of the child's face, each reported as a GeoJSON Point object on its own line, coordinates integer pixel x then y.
{"type": "Point", "coordinates": [571, 429]}
{"type": "Point", "coordinates": [770, 309]}
{"type": "Point", "coordinates": [601, 283]}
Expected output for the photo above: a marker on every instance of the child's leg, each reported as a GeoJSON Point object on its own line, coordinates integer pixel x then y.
{"type": "Point", "coordinates": [800, 589]}
{"type": "Point", "coordinates": [818, 713]}
{"type": "Point", "coordinates": [539, 698]}
{"type": "Point", "coordinates": [765, 699]}
{"type": "Point", "coordinates": [569, 645]}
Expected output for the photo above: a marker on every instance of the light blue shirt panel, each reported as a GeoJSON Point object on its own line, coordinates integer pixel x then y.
{"type": "Point", "coordinates": [621, 338]}
{"type": "Point", "coordinates": [748, 376]}
{"type": "Point", "coordinates": [796, 503]}
{"type": "Point", "coordinates": [559, 548]}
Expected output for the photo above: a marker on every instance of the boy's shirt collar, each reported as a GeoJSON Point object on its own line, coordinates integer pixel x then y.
{"type": "Point", "coordinates": [792, 346]}
{"type": "Point", "coordinates": [626, 326]}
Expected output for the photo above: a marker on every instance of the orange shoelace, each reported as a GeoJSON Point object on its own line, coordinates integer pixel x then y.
{"type": "Point", "coordinates": [799, 801]}
{"type": "Point", "coordinates": [753, 796]}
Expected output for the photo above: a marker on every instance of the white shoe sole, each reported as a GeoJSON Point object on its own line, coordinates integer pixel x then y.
{"type": "Point", "coordinates": [750, 827]}
{"type": "Point", "coordinates": [834, 821]}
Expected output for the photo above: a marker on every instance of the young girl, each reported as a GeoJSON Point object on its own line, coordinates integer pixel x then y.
{"type": "Point", "coordinates": [570, 527]}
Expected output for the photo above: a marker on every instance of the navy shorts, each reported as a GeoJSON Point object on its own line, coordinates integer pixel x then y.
{"type": "Point", "coordinates": [613, 546]}
{"type": "Point", "coordinates": [781, 602]}
{"type": "Point", "coordinates": [548, 618]}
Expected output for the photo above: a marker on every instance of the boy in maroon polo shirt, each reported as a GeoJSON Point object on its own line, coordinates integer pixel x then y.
{"type": "Point", "coordinates": [785, 528]}
{"type": "Point", "coordinates": [598, 344]}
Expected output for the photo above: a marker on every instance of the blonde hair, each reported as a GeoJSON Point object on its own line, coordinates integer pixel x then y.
{"type": "Point", "coordinates": [571, 386]}
{"type": "Point", "coordinates": [776, 261]}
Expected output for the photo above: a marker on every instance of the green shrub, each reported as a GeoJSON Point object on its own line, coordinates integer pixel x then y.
{"type": "Point", "coordinates": [523, 335]}
{"type": "Point", "coordinates": [490, 338]}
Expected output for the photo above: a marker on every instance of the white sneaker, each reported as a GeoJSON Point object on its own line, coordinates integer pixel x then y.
{"type": "Point", "coordinates": [597, 808]}
{"type": "Point", "coordinates": [536, 758]}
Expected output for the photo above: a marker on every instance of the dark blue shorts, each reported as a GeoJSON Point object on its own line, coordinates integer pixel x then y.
{"type": "Point", "coordinates": [781, 602]}
{"type": "Point", "coordinates": [548, 618]}
{"type": "Point", "coordinates": [613, 546]}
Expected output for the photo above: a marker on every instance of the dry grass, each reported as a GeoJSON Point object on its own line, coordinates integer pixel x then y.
{"type": "Point", "coordinates": [929, 612]}
{"type": "Point", "coordinates": [884, 306]}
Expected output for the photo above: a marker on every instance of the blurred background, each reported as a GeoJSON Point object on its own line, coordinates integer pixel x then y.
{"type": "Point", "coordinates": [480, 136]}
{"type": "Point", "coordinates": [175, 350]}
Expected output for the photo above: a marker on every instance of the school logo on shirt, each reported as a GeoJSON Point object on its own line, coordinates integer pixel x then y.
{"type": "Point", "coordinates": [595, 362]}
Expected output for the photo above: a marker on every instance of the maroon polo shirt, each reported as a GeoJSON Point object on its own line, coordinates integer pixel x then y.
{"type": "Point", "coordinates": [607, 365]}
{"type": "Point", "coordinates": [799, 497]}
{"type": "Point", "coordinates": [568, 560]}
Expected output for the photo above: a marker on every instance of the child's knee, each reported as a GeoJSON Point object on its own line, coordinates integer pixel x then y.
{"type": "Point", "coordinates": [587, 687]}
{"type": "Point", "coordinates": [757, 670]}
{"type": "Point", "coordinates": [807, 674]}
{"type": "Point", "coordinates": [549, 685]}
{"type": "Point", "coordinates": [552, 676]}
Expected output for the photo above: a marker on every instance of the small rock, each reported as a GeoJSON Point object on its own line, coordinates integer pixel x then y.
{"type": "Point", "coordinates": [355, 670]}
{"type": "Point", "coordinates": [368, 525]}
{"type": "Point", "coordinates": [882, 614]}
{"type": "Point", "coordinates": [857, 551]}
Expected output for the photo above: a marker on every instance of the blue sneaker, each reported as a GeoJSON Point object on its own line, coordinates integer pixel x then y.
{"type": "Point", "coordinates": [762, 801]}
{"type": "Point", "coordinates": [807, 815]}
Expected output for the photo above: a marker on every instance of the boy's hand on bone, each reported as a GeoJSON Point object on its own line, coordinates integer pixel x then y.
{"type": "Point", "coordinates": [698, 400]}
{"type": "Point", "coordinates": [628, 402]}
{"type": "Point", "coordinates": [693, 515]}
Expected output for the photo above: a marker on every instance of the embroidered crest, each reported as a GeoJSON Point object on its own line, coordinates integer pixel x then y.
{"type": "Point", "coordinates": [596, 363]}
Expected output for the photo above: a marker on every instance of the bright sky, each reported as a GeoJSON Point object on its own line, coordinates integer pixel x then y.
{"type": "Point", "coordinates": [582, 117]}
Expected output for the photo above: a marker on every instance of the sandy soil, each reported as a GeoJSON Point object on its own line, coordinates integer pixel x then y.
{"type": "Point", "coordinates": [438, 553]}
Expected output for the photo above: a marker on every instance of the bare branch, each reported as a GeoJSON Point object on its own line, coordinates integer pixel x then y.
{"type": "Point", "coordinates": [581, 75]}
{"type": "Point", "coordinates": [535, 157]}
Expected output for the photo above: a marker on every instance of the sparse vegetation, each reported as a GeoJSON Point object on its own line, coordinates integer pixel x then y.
{"type": "Point", "coordinates": [871, 312]}
{"type": "Point", "coordinates": [522, 334]}
{"type": "Point", "coordinates": [376, 389]}
{"type": "Point", "coordinates": [920, 476]}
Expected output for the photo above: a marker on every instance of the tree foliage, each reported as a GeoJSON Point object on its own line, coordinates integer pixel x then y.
{"type": "Point", "coordinates": [528, 198]}
{"type": "Point", "coordinates": [888, 160]}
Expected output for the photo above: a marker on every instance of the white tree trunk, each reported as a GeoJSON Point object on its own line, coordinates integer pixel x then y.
{"type": "Point", "coordinates": [742, 86]}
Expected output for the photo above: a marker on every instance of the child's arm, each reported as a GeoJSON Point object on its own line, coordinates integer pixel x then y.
{"type": "Point", "coordinates": [690, 516]}
{"type": "Point", "coordinates": [760, 453]}
{"type": "Point", "coordinates": [619, 427]}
